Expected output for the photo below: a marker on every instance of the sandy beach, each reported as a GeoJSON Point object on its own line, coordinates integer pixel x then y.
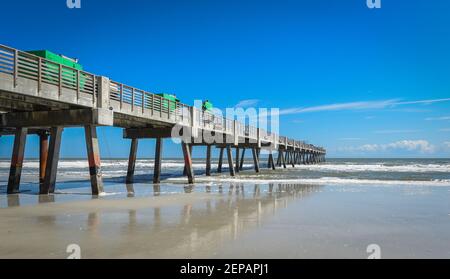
{"type": "Point", "coordinates": [231, 221]}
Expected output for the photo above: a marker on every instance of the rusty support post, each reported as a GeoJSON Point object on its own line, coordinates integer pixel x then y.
{"type": "Point", "coordinates": [93, 153]}
{"type": "Point", "coordinates": [15, 171]}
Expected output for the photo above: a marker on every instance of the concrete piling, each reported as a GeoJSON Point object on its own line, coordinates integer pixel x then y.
{"type": "Point", "coordinates": [188, 162]}
{"type": "Point", "coordinates": [43, 155]}
{"type": "Point", "coordinates": [208, 160]}
{"type": "Point", "coordinates": [255, 159]}
{"type": "Point", "coordinates": [15, 172]}
{"type": "Point", "coordinates": [51, 168]}
{"type": "Point", "coordinates": [93, 153]}
{"type": "Point", "coordinates": [241, 166]}
{"type": "Point", "coordinates": [219, 167]}
{"type": "Point", "coordinates": [132, 160]}
{"type": "Point", "coordinates": [158, 161]}
{"type": "Point", "coordinates": [230, 161]}
{"type": "Point", "coordinates": [237, 169]}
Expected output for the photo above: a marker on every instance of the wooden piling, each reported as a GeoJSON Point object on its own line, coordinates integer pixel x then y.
{"type": "Point", "coordinates": [52, 161]}
{"type": "Point", "coordinates": [93, 153]}
{"type": "Point", "coordinates": [188, 162]}
{"type": "Point", "coordinates": [15, 171]}
{"type": "Point", "coordinates": [132, 160]}
{"type": "Point", "coordinates": [158, 161]}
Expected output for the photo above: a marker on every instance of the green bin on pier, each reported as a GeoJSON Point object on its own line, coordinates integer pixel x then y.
{"type": "Point", "coordinates": [50, 68]}
{"type": "Point", "coordinates": [170, 101]}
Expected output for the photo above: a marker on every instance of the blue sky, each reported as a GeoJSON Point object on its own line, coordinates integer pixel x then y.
{"type": "Point", "coordinates": [361, 82]}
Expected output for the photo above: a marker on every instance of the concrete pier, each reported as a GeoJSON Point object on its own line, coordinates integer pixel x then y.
{"type": "Point", "coordinates": [46, 107]}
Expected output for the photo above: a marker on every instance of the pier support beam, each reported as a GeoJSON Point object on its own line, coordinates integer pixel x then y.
{"type": "Point", "coordinates": [237, 160]}
{"type": "Point", "coordinates": [52, 161]}
{"type": "Point", "coordinates": [15, 172]}
{"type": "Point", "coordinates": [255, 159]}
{"type": "Point", "coordinates": [158, 159]}
{"type": "Point", "coordinates": [219, 166]}
{"type": "Point", "coordinates": [283, 159]}
{"type": "Point", "coordinates": [93, 153]}
{"type": "Point", "coordinates": [132, 160]}
{"type": "Point", "coordinates": [188, 162]}
{"type": "Point", "coordinates": [241, 166]}
{"type": "Point", "coordinates": [230, 161]}
{"type": "Point", "coordinates": [43, 155]}
{"type": "Point", "coordinates": [271, 161]}
{"type": "Point", "coordinates": [208, 160]}
{"type": "Point", "coordinates": [190, 152]}
{"type": "Point", "coordinates": [292, 159]}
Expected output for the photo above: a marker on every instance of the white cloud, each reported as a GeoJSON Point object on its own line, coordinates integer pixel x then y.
{"type": "Point", "coordinates": [422, 146]}
{"type": "Point", "coordinates": [445, 130]}
{"type": "Point", "coordinates": [438, 118]}
{"type": "Point", "coordinates": [358, 106]}
{"type": "Point", "coordinates": [426, 102]}
{"type": "Point", "coordinates": [447, 144]}
{"type": "Point", "coordinates": [341, 106]}
{"type": "Point", "coordinates": [247, 103]}
{"type": "Point", "coordinates": [395, 131]}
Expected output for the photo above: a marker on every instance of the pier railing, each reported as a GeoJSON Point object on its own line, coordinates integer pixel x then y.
{"type": "Point", "coordinates": [31, 67]}
{"type": "Point", "coordinates": [122, 97]}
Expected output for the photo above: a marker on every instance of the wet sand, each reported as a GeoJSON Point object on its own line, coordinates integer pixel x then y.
{"type": "Point", "coordinates": [238, 221]}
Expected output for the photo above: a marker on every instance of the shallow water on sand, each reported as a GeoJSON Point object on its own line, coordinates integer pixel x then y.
{"type": "Point", "coordinates": [333, 210]}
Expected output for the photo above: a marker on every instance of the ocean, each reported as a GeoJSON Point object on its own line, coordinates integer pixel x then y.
{"type": "Point", "coordinates": [375, 172]}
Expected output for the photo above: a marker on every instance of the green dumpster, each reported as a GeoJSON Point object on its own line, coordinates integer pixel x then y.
{"type": "Point", "coordinates": [51, 70]}
{"type": "Point", "coordinates": [207, 106]}
{"type": "Point", "coordinates": [170, 101]}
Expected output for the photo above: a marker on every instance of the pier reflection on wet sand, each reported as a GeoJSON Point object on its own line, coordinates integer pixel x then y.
{"type": "Point", "coordinates": [195, 224]}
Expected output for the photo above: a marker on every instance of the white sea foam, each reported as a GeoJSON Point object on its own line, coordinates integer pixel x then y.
{"type": "Point", "coordinates": [317, 181]}
{"type": "Point", "coordinates": [177, 164]}
{"type": "Point", "coordinates": [420, 168]}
